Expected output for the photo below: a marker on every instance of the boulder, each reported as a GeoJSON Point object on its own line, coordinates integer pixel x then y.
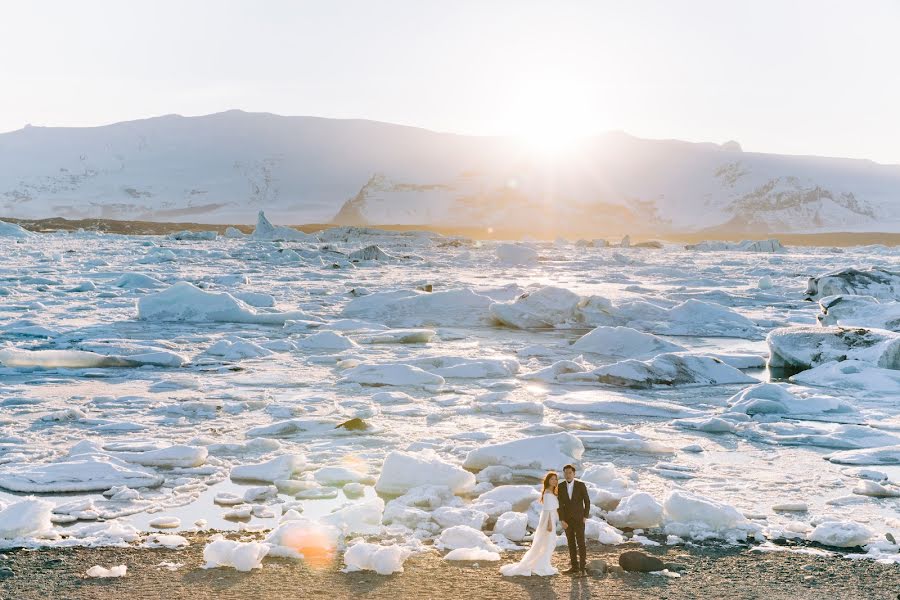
{"type": "Point", "coordinates": [635, 560]}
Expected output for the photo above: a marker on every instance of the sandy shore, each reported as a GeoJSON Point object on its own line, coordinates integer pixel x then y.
{"type": "Point", "coordinates": [708, 572]}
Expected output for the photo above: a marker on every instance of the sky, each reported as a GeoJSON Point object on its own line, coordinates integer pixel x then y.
{"type": "Point", "coordinates": [788, 76]}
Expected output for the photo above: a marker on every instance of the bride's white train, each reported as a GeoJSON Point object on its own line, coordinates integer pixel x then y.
{"type": "Point", "coordinates": [537, 559]}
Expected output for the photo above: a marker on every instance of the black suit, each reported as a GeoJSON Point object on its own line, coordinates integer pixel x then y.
{"type": "Point", "coordinates": [574, 511]}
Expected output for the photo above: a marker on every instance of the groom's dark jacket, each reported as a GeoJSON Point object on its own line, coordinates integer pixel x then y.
{"type": "Point", "coordinates": [576, 508]}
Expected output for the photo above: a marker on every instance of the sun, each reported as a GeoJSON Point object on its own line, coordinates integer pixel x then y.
{"type": "Point", "coordinates": [551, 120]}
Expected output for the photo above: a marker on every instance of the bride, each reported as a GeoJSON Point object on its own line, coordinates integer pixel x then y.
{"type": "Point", "coordinates": [537, 560]}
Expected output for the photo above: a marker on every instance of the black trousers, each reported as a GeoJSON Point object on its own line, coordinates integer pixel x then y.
{"type": "Point", "coordinates": [575, 537]}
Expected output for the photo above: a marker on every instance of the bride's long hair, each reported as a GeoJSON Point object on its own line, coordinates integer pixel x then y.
{"type": "Point", "coordinates": [547, 484]}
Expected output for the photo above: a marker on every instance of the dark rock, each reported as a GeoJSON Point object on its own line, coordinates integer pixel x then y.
{"type": "Point", "coordinates": [6, 572]}
{"type": "Point", "coordinates": [635, 560]}
{"type": "Point", "coordinates": [426, 288]}
{"type": "Point", "coordinates": [356, 424]}
{"type": "Point", "coordinates": [890, 537]}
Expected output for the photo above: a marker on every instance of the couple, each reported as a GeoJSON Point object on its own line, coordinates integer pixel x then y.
{"type": "Point", "coordinates": [573, 506]}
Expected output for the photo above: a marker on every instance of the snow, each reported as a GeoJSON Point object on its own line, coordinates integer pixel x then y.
{"type": "Point", "coordinates": [101, 572]}
{"type": "Point", "coordinates": [242, 556]}
{"type": "Point", "coordinates": [842, 534]}
{"type": "Point", "coordinates": [403, 471]}
{"type": "Point", "coordinates": [542, 452]}
{"type": "Point", "coordinates": [384, 560]}
{"type": "Point", "coordinates": [184, 301]}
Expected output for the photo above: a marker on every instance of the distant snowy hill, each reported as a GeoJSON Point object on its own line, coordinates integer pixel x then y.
{"type": "Point", "coordinates": [224, 168]}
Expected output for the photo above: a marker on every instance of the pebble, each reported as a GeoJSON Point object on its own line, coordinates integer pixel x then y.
{"type": "Point", "coordinates": [6, 572]}
{"type": "Point", "coordinates": [597, 566]}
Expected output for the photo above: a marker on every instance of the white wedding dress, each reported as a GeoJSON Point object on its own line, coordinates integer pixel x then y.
{"type": "Point", "coordinates": [537, 559]}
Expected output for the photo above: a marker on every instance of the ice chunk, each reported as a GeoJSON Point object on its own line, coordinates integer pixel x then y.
{"type": "Point", "coordinates": [462, 367]}
{"type": "Point", "coordinates": [448, 516]}
{"type": "Point", "coordinates": [545, 307]}
{"type": "Point", "coordinates": [805, 347]}
{"type": "Point", "coordinates": [101, 572]}
{"type": "Point", "coordinates": [341, 475]}
{"type": "Point", "coordinates": [237, 349]}
{"type": "Point", "coordinates": [165, 523]}
{"type": "Point", "coordinates": [516, 254]}
{"type": "Point", "coordinates": [543, 452]}
{"type": "Point", "coordinates": [82, 473]}
{"type": "Point", "coordinates": [171, 456]}
{"type": "Point", "coordinates": [512, 525]}
{"type": "Point", "coordinates": [26, 518]}
{"type": "Point", "coordinates": [472, 554]}
{"type": "Point", "coordinates": [876, 282]}
{"type": "Point", "coordinates": [268, 232]}
{"type": "Point", "coordinates": [875, 490]}
{"type": "Point", "coordinates": [519, 497]}
{"type": "Point", "coordinates": [773, 398]}
{"type": "Point", "coordinates": [392, 374]}
{"type": "Point", "coordinates": [243, 556]}
{"type": "Point", "coordinates": [886, 455]}
{"type": "Point", "coordinates": [859, 311]}
{"type": "Point", "coordinates": [851, 375]}
{"type": "Point", "coordinates": [369, 253]}
{"type": "Point", "coordinates": [618, 405]}
{"type": "Point", "coordinates": [770, 245]}
{"type": "Point", "coordinates": [667, 370]}
{"type": "Point", "coordinates": [137, 281]}
{"type": "Point", "coordinates": [362, 517]}
{"type": "Point", "coordinates": [623, 342]}
{"type": "Point", "coordinates": [327, 341]}
{"type": "Point", "coordinates": [637, 510]}
{"type": "Point", "coordinates": [594, 529]}
{"type": "Point", "coordinates": [299, 538]}
{"type": "Point", "coordinates": [403, 471]}
{"type": "Point", "coordinates": [407, 308]}
{"type": "Point", "coordinates": [841, 534]}
{"type": "Point", "coordinates": [694, 517]}
{"type": "Point", "coordinates": [400, 336]}
{"type": "Point", "coordinates": [384, 560]}
{"type": "Point", "coordinates": [80, 359]}
{"type": "Point", "coordinates": [462, 536]}
{"type": "Point", "coordinates": [186, 302]}
{"type": "Point", "coordinates": [12, 230]}
{"type": "Point", "coordinates": [281, 467]}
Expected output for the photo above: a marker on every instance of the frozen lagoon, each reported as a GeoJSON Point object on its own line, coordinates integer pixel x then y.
{"type": "Point", "coordinates": [297, 347]}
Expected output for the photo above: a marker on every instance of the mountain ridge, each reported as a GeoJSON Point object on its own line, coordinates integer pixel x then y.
{"type": "Point", "coordinates": [224, 167]}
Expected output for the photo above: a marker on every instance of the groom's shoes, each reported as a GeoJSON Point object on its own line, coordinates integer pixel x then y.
{"type": "Point", "coordinates": [572, 571]}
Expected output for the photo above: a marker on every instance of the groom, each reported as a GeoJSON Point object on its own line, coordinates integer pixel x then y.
{"type": "Point", "coordinates": [574, 508]}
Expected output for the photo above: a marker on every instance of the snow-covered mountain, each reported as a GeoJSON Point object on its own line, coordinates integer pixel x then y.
{"type": "Point", "coordinates": [224, 168]}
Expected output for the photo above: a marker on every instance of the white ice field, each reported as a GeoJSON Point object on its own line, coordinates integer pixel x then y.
{"type": "Point", "coordinates": [143, 379]}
